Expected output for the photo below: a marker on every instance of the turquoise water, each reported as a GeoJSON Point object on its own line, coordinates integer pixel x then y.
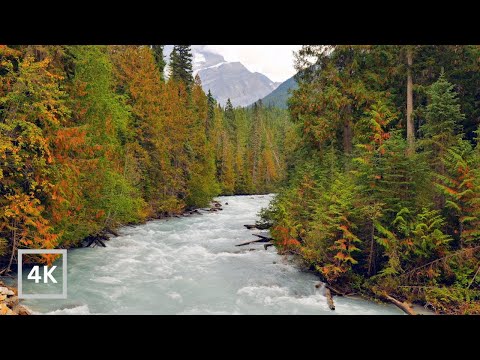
{"type": "Point", "coordinates": [190, 265]}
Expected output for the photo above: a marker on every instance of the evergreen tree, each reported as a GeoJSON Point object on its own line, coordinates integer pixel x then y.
{"type": "Point", "coordinates": [230, 117]}
{"type": "Point", "coordinates": [441, 130]}
{"type": "Point", "coordinates": [211, 114]}
{"type": "Point", "coordinates": [181, 64]}
{"type": "Point", "coordinates": [443, 118]}
{"type": "Point", "coordinates": [159, 58]}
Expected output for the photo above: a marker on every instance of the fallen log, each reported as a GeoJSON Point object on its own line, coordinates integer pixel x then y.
{"type": "Point", "coordinates": [401, 305]}
{"type": "Point", "coordinates": [266, 246]}
{"type": "Point", "coordinates": [266, 238]}
{"type": "Point", "coordinates": [258, 226]}
{"type": "Point", "coordinates": [99, 241]}
{"type": "Point", "coordinates": [90, 241]}
{"type": "Point", "coordinates": [330, 303]}
{"type": "Point", "coordinates": [336, 291]}
{"type": "Point", "coordinates": [253, 241]}
{"type": "Point", "coordinates": [96, 240]}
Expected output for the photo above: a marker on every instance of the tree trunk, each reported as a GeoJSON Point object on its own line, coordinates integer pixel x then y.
{"type": "Point", "coordinates": [403, 306]}
{"type": "Point", "coordinates": [329, 297]}
{"type": "Point", "coordinates": [410, 123]}
{"type": "Point", "coordinates": [460, 231]}
{"type": "Point", "coordinates": [347, 137]}
{"type": "Point", "coordinates": [14, 246]}
{"type": "Point", "coordinates": [371, 258]}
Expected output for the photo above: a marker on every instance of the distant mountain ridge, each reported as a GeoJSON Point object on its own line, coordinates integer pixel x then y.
{"type": "Point", "coordinates": [279, 97]}
{"type": "Point", "coordinates": [227, 80]}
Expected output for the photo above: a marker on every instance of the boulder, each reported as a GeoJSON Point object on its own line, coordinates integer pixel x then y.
{"type": "Point", "coordinates": [6, 291]}
{"type": "Point", "coordinates": [12, 301]}
{"type": "Point", "coordinates": [22, 310]}
{"type": "Point", "coordinates": [5, 310]}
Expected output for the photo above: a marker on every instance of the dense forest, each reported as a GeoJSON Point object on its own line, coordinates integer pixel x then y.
{"type": "Point", "coordinates": [376, 162]}
{"type": "Point", "coordinates": [93, 137]}
{"type": "Point", "coordinates": [383, 189]}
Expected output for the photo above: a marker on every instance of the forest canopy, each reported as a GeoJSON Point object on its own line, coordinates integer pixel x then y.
{"type": "Point", "coordinates": [94, 137]}
{"type": "Point", "coordinates": [383, 189]}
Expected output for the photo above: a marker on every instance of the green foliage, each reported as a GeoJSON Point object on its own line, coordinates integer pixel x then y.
{"type": "Point", "coordinates": [181, 64]}
{"type": "Point", "coordinates": [453, 300]}
{"type": "Point", "coordinates": [91, 138]}
{"type": "Point", "coordinates": [377, 211]}
{"type": "Point", "coordinates": [159, 58]}
{"type": "Point", "coordinates": [279, 97]}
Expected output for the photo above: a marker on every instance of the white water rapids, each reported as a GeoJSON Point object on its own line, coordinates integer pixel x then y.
{"type": "Point", "coordinates": [190, 265]}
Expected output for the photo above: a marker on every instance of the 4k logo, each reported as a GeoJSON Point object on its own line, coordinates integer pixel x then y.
{"type": "Point", "coordinates": [47, 276]}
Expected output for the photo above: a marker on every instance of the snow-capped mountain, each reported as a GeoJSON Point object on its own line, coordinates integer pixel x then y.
{"type": "Point", "coordinates": [227, 79]}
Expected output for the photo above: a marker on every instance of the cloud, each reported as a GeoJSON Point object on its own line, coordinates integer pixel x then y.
{"type": "Point", "coordinates": [275, 61]}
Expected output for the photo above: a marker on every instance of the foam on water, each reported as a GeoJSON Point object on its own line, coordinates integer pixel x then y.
{"type": "Point", "coordinates": [190, 265]}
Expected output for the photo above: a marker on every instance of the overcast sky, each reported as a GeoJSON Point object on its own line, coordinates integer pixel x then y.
{"type": "Point", "coordinates": [275, 61]}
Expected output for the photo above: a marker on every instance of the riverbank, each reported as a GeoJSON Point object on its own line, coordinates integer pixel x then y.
{"type": "Point", "coordinates": [412, 300]}
{"type": "Point", "coordinates": [9, 302]}
{"type": "Point", "coordinates": [191, 265]}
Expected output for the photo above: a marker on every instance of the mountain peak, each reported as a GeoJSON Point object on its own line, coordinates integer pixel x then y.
{"type": "Point", "coordinates": [227, 79]}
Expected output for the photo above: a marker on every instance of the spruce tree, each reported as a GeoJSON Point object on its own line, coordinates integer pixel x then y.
{"type": "Point", "coordinates": [211, 103]}
{"type": "Point", "coordinates": [159, 58]}
{"type": "Point", "coordinates": [443, 117]}
{"type": "Point", "coordinates": [441, 130]}
{"type": "Point", "coordinates": [181, 64]}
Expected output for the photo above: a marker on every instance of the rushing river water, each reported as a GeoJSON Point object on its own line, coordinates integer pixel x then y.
{"type": "Point", "coordinates": [190, 265]}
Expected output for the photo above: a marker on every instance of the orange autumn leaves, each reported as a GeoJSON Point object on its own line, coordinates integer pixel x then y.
{"type": "Point", "coordinates": [32, 108]}
{"type": "Point", "coordinates": [93, 137]}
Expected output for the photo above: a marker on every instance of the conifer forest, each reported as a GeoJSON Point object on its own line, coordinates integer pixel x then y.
{"type": "Point", "coordinates": [375, 164]}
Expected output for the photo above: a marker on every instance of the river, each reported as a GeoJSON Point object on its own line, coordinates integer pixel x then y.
{"type": "Point", "coordinates": [190, 265]}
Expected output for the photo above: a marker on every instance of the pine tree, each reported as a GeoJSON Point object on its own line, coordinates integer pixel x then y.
{"type": "Point", "coordinates": [159, 59]}
{"type": "Point", "coordinates": [441, 130]}
{"type": "Point", "coordinates": [210, 115]}
{"type": "Point", "coordinates": [230, 119]}
{"type": "Point", "coordinates": [181, 64]}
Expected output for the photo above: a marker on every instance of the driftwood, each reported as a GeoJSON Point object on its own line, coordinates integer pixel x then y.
{"type": "Point", "coordinates": [258, 226]}
{"type": "Point", "coordinates": [265, 238]}
{"type": "Point", "coordinates": [332, 289]}
{"type": "Point", "coordinates": [266, 246]}
{"type": "Point", "coordinates": [336, 291]}
{"type": "Point", "coordinates": [401, 305]}
{"type": "Point", "coordinates": [96, 239]}
{"type": "Point", "coordinates": [253, 241]}
{"type": "Point", "coordinates": [330, 303]}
